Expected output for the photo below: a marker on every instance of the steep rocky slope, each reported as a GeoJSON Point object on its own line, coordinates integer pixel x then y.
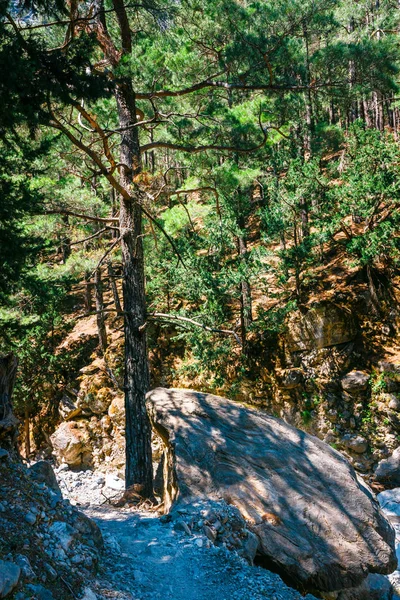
{"type": "Point", "coordinates": [48, 549]}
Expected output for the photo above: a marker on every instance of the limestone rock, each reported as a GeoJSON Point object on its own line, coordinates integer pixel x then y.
{"type": "Point", "coordinates": [325, 324]}
{"type": "Point", "coordinates": [355, 443]}
{"type": "Point", "coordinates": [63, 532]}
{"type": "Point", "coordinates": [42, 472]}
{"type": "Point", "coordinates": [97, 401]}
{"type": "Point", "coordinates": [314, 518]}
{"type": "Point", "coordinates": [9, 577]}
{"type": "Point", "coordinates": [291, 378]}
{"type": "Point", "coordinates": [116, 411]}
{"type": "Point", "coordinates": [68, 409]}
{"type": "Point", "coordinates": [71, 444]}
{"type": "Point", "coordinates": [355, 382]}
{"type": "Point", "coordinates": [388, 470]}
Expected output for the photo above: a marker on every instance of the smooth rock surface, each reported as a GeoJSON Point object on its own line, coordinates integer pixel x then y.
{"type": "Point", "coordinates": [315, 519]}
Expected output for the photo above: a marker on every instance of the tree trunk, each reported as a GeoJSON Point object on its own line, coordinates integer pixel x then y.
{"type": "Point", "coordinates": [113, 285]}
{"type": "Point", "coordinates": [65, 242]}
{"type": "Point", "coordinates": [8, 422]}
{"type": "Point", "coordinates": [139, 468]}
{"type": "Point", "coordinates": [101, 327]}
{"type": "Point", "coordinates": [372, 291]}
{"type": "Point", "coordinates": [246, 315]}
{"type": "Point", "coordinates": [305, 227]}
{"type": "Point", "coordinates": [27, 432]}
{"type": "Point", "coordinates": [88, 294]}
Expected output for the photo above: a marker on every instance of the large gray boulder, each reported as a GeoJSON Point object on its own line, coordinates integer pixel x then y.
{"type": "Point", "coordinates": [316, 521]}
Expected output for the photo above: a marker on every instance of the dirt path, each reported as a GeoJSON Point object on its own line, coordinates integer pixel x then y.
{"type": "Point", "coordinates": [147, 559]}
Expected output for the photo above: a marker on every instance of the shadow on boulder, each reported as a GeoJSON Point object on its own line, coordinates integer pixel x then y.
{"type": "Point", "coordinates": [316, 520]}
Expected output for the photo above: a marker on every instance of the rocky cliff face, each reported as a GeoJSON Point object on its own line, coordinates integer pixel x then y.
{"type": "Point", "coordinates": [91, 432]}
{"type": "Point", "coordinates": [330, 379]}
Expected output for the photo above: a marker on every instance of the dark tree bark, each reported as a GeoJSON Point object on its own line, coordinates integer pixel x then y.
{"type": "Point", "coordinates": [304, 217]}
{"type": "Point", "coordinates": [246, 314]}
{"type": "Point", "coordinates": [65, 242]}
{"type": "Point", "coordinates": [8, 422]}
{"type": "Point", "coordinates": [113, 285]}
{"type": "Point", "coordinates": [139, 469]}
{"type": "Point", "coordinates": [27, 435]}
{"type": "Point", "coordinates": [88, 294]}
{"type": "Point", "coordinates": [101, 326]}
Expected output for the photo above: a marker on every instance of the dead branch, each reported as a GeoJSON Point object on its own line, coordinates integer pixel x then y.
{"type": "Point", "coordinates": [91, 237]}
{"type": "Point", "coordinates": [81, 216]}
{"type": "Point", "coordinates": [168, 317]}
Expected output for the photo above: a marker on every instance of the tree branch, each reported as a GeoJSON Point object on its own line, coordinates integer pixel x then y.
{"type": "Point", "coordinates": [81, 216]}
{"type": "Point", "coordinates": [207, 83]}
{"type": "Point", "coordinates": [91, 237]}
{"type": "Point", "coordinates": [168, 317]}
{"type": "Point", "coordinates": [197, 149]}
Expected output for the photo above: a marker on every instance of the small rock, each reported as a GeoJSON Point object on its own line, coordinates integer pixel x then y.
{"type": "Point", "coordinates": [355, 381]}
{"type": "Point", "coordinates": [63, 467]}
{"type": "Point", "coordinates": [26, 568]}
{"type": "Point", "coordinates": [388, 470]}
{"type": "Point", "coordinates": [210, 533]}
{"type": "Point", "coordinates": [77, 559]}
{"type": "Point", "coordinates": [355, 443]}
{"type": "Point", "coordinates": [165, 518]}
{"type": "Point", "coordinates": [181, 524]}
{"type": "Point", "coordinates": [199, 542]}
{"type": "Point", "coordinates": [394, 403]}
{"type": "Point", "coordinates": [52, 573]}
{"type": "Point", "coordinates": [89, 594]}
{"type": "Point", "coordinates": [291, 379]}
{"type": "Point", "coordinates": [63, 532]}
{"type": "Point", "coordinates": [114, 482]}
{"type": "Point", "coordinates": [30, 518]}
{"type": "Point", "coordinates": [40, 592]}
{"type": "Point", "coordinates": [3, 454]}
{"type": "Point", "coordinates": [9, 577]}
